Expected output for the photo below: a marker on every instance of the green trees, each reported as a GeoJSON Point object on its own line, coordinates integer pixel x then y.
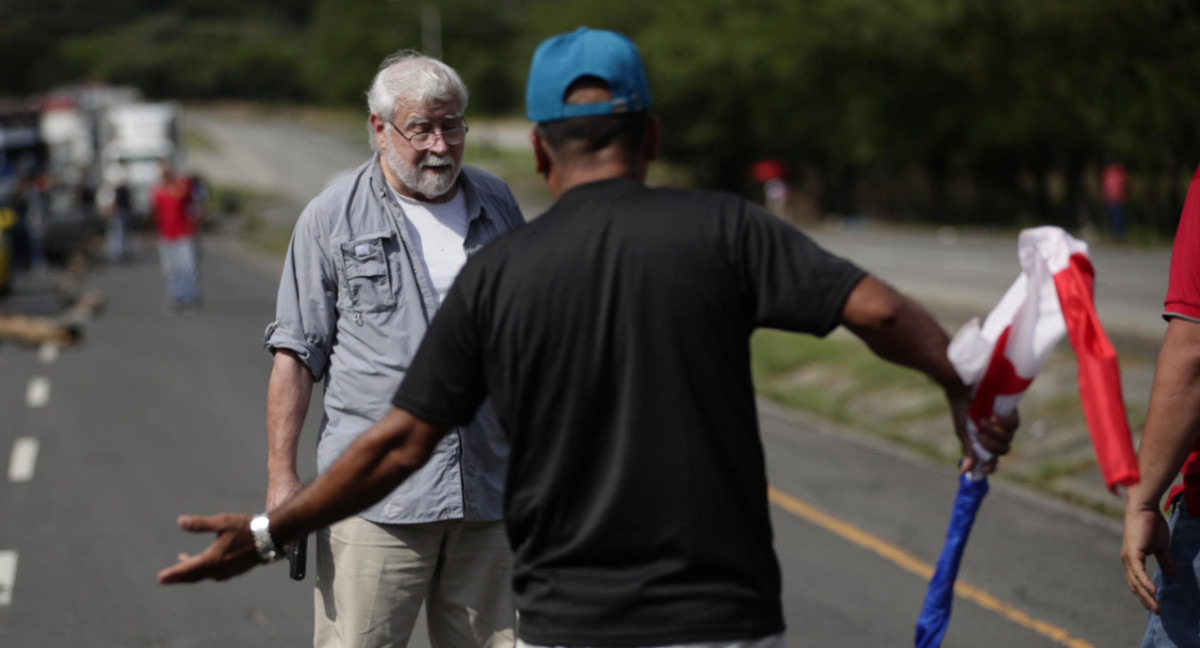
{"type": "Point", "coordinates": [974, 111]}
{"type": "Point", "coordinates": [958, 111]}
{"type": "Point", "coordinates": [293, 50]}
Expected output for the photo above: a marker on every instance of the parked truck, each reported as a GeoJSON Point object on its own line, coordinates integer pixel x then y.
{"type": "Point", "coordinates": [138, 138]}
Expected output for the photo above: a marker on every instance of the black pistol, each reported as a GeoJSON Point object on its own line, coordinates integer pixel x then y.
{"type": "Point", "coordinates": [297, 554]}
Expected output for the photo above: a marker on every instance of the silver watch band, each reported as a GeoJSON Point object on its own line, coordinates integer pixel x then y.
{"type": "Point", "coordinates": [260, 528]}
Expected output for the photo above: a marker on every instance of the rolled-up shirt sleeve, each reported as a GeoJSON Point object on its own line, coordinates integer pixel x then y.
{"type": "Point", "coordinates": [306, 307]}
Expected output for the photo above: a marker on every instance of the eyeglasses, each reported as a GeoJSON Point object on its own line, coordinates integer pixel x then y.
{"type": "Point", "coordinates": [425, 141]}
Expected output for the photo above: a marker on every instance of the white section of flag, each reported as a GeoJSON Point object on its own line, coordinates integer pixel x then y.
{"type": "Point", "coordinates": [1052, 297]}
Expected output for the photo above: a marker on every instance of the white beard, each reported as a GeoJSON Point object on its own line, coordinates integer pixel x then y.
{"type": "Point", "coordinates": [433, 177]}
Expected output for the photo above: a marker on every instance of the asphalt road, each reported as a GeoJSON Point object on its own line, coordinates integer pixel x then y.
{"type": "Point", "coordinates": [150, 417]}
{"type": "Point", "coordinates": [280, 156]}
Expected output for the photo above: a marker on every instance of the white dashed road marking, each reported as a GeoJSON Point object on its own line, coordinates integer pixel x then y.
{"type": "Point", "coordinates": [8, 574]}
{"type": "Point", "coordinates": [22, 463]}
{"type": "Point", "coordinates": [23, 460]}
{"type": "Point", "coordinates": [38, 392]}
{"type": "Point", "coordinates": [48, 353]}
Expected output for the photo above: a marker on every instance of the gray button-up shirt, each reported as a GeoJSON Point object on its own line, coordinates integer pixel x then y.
{"type": "Point", "coordinates": [354, 304]}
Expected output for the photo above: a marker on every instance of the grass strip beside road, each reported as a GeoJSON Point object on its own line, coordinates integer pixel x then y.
{"type": "Point", "coordinates": [243, 210]}
{"type": "Point", "coordinates": [833, 377]}
{"type": "Point", "coordinates": [840, 380]}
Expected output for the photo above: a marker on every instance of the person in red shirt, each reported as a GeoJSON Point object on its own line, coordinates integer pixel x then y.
{"type": "Point", "coordinates": [1115, 181]}
{"type": "Point", "coordinates": [1171, 441]}
{"type": "Point", "coordinates": [176, 242]}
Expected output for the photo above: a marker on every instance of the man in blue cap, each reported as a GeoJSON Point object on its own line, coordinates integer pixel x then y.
{"type": "Point", "coordinates": [612, 335]}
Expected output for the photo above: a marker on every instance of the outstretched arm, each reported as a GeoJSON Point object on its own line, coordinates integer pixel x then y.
{"type": "Point", "coordinates": [897, 329]}
{"type": "Point", "coordinates": [377, 462]}
{"type": "Point", "coordinates": [1172, 429]}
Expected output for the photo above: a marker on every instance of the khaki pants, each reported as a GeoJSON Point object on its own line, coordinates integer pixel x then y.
{"type": "Point", "coordinates": [372, 579]}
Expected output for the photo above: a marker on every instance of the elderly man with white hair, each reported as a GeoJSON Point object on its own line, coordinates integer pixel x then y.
{"type": "Point", "coordinates": [370, 260]}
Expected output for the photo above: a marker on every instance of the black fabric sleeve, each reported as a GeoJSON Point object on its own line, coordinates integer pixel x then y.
{"type": "Point", "coordinates": [445, 384]}
{"type": "Point", "coordinates": [795, 284]}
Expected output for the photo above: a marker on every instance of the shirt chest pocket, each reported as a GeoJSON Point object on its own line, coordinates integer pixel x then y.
{"type": "Point", "coordinates": [366, 276]}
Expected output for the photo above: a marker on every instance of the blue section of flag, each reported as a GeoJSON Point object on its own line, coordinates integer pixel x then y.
{"type": "Point", "coordinates": [935, 613]}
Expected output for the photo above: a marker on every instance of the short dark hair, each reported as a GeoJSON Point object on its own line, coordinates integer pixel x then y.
{"type": "Point", "coordinates": [591, 134]}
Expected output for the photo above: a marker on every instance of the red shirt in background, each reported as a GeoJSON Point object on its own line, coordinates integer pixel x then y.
{"type": "Point", "coordinates": [1183, 300]}
{"type": "Point", "coordinates": [171, 210]}
{"type": "Point", "coordinates": [1116, 184]}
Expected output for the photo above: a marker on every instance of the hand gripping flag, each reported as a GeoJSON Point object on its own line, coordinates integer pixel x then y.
{"type": "Point", "coordinates": [1052, 296]}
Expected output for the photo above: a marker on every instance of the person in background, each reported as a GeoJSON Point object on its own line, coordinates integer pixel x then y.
{"type": "Point", "coordinates": [170, 200]}
{"type": "Point", "coordinates": [198, 195]}
{"type": "Point", "coordinates": [22, 258]}
{"type": "Point", "coordinates": [38, 218]}
{"type": "Point", "coordinates": [1115, 184]}
{"type": "Point", "coordinates": [116, 208]}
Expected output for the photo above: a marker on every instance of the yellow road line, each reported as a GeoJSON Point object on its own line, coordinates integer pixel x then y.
{"type": "Point", "coordinates": [915, 565]}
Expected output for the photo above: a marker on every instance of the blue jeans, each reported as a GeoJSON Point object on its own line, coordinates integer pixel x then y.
{"type": "Point", "coordinates": [1178, 625]}
{"type": "Point", "coordinates": [115, 236]}
{"type": "Point", "coordinates": [178, 259]}
{"type": "Point", "coordinates": [1116, 220]}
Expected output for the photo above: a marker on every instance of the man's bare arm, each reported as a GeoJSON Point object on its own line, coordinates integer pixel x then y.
{"type": "Point", "coordinates": [288, 394]}
{"type": "Point", "coordinates": [1172, 429]}
{"type": "Point", "coordinates": [378, 461]}
{"type": "Point", "coordinates": [897, 329]}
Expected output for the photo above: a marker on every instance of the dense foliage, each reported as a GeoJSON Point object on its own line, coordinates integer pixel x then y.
{"type": "Point", "coordinates": [993, 111]}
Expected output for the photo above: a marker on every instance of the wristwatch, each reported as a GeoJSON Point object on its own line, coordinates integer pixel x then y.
{"type": "Point", "coordinates": [260, 527]}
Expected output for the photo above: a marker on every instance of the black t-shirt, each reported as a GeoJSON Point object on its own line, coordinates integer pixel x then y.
{"type": "Point", "coordinates": [613, 334]}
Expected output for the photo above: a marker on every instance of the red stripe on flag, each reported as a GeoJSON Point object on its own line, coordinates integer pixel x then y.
{"type": "Point", "coordinates": [1099, 375]}
{"type": "Point", "coordinates": [1000, 379]}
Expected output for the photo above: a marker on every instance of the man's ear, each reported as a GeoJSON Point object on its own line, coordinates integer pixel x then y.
{"type": "Point", "coordinates": [379, 128]}
{"type": "Point", "coordinates": [650, 147]}
{"type": "Point", "coordinates": [540, 155]}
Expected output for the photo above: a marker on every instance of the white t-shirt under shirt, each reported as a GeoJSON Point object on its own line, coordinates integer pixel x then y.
{"type": "Point", "coordinates": [438, 232]}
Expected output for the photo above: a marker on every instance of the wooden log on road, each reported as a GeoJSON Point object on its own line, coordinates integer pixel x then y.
{"type": "Point", "coordinates": [61, 331]}
{"type": "Point", "coordinates": [34, 331]}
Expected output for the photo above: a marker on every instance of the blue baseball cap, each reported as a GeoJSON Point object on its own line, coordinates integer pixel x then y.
{"type": "Point", "coordinates": [561, 60]}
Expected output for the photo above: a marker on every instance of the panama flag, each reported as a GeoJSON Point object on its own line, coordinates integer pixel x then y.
{"type": "Point", "coordinates": [1051, 297]}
